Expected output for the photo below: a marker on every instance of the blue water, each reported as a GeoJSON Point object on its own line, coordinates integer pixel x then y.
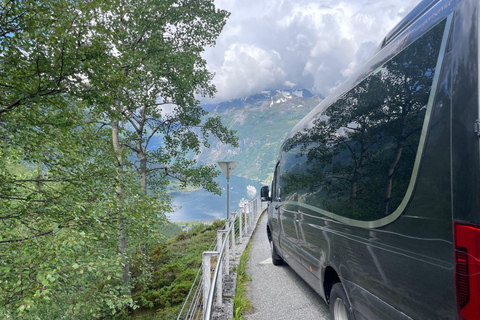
{"type": "Point", "coordinates": [203, 205]}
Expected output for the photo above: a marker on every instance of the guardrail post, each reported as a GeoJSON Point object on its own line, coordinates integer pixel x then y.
{"type": "Point", "coordinates": [227, 251]}
{"type": "Point", "coordinates": [219, 241]}
{"type": "Point", "coordinates": [233, 236]}
{"type": "Point", "coordinates": [206, 275]}
{"type": "Point", "coordinates": [250, 207]}
{"type": "Point", "coordinates": [245, 218]}
{"type": "Point", "coordinates": [254, 209]}
{"type": "Point", "coordinates": [219, 283]}
{"type": "Point", "coordinates": [240, 227]}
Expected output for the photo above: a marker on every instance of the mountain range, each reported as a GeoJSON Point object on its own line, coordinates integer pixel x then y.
{"type": "Point", "coordinates": [262, 121]}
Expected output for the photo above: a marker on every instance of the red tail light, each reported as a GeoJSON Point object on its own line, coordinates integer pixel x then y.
{"type": "Point", "coordinates": [467, 271]}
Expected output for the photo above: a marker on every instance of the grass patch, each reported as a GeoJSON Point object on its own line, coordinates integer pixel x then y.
{"type": "Point", "coordinates": [241, 302]}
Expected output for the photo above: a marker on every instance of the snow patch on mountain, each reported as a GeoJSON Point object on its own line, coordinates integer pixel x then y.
{"type": "Point", "coordinates": [298, 93]}
{"type": "Point", "coordinates": [286, 94]}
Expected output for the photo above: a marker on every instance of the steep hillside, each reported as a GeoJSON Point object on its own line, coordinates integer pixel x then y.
{"type": "Point", "coordinates": [262, 122]}
{"type": "Point", "coordinates": [174, 267]}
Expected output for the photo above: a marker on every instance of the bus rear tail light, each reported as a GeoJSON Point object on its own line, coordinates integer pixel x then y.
{"type": "Point", "coordinates": [467, 271]}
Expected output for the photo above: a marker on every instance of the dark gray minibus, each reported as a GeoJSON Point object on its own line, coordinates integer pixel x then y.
{"type": "Point", "coordinates": [375, 200]}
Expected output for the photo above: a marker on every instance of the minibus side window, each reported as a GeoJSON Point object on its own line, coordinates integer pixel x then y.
{"type": "Point", "coordinates": [275, 184]}
{"type": "Point", "coordinates": [356, 158]}
{"type": "Point", "coordinates": [291, 170]}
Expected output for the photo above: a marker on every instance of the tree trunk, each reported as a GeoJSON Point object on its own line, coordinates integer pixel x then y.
{"type": "Point", "coordinates": [142, 150]}
{"type": "Point", "coordinates": [141, 153]}
{"type": "Point", "coordinates": [143, 170]}
{"type": "Point", "coordinates": [122, 239]}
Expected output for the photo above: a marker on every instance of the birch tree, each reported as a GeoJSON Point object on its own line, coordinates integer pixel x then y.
{"type": "Point", "coordinates": [73, 75]}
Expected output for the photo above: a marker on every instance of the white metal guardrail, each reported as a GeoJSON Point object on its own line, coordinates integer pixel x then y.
{"type": "Point", "coordinates": [207, 289]}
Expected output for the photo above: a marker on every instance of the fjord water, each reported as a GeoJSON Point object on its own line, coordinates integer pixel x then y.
{"type": "Point", "coordinates": [206, 206]}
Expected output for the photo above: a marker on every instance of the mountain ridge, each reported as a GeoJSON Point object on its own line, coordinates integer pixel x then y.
{"type": "Point", "coordinates": [262, 121]}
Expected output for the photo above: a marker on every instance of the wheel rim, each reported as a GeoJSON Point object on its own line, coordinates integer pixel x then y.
{"type": "Point", "coordinates": [339, 310]}
{"type": "Point", "coordinates": [271, 247]}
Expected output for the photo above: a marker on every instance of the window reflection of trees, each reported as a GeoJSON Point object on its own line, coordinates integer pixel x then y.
{"type": "Point", "coordinates": [356, 158]}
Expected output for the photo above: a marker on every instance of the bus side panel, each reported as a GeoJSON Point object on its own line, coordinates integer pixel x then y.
{"type": "Point", "coordinates": [366, 302]}
{"type": "Point", "coordinates": [465, 143]}
{"type": "Point", "coordinates": [408, 264]}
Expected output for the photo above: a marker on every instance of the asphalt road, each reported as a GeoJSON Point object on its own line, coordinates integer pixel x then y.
{"type": "Point", "coordinates": [277, 292]}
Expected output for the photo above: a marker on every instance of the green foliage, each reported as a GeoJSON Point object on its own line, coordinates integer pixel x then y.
{"type": "Point", "coordinates": [175, 264]}
{"type": "Point", "coordinates": [170, 230]}
{"type": "Point", "coordinates": [150, 76]}
{"type": "Point", "coordinates": [69, 72]}
{"type": "Point", "coordinates": [58, 212]}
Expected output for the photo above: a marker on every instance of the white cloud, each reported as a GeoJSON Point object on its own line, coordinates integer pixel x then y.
{"type": "Point", "coordinates": [275, 44]}
{"type": "Point", "coordinates": [244, 67]}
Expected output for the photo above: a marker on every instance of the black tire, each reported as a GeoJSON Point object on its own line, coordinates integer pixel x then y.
{"type": "Point", "coordinates": [339, 305]}
{"type": "Point", "coordinates": [276, 259]}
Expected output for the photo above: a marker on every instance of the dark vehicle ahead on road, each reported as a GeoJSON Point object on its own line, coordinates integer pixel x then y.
{"type": "Point", "coordinates": [375, 200]}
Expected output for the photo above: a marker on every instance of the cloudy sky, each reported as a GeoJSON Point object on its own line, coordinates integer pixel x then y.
{"type": "Point", "coordinates": [312, 44]}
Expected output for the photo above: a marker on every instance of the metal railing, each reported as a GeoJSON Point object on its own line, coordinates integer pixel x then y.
{"type": "Point", "coordinates": [207, 290]}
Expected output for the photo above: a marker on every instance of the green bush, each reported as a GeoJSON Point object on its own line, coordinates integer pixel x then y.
{"type": "Point", "coordinates": [175, 264]}
{"type": "Point", "coordinates": [184, 236]}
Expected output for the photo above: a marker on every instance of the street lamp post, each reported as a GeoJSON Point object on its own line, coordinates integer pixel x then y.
{"type": "Point", "coordinates": [227, 169]}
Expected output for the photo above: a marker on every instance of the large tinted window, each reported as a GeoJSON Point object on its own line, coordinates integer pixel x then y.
{"type": "Point", "coordinates": [356, 158]}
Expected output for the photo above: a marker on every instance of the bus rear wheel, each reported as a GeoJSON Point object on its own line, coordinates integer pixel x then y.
{"type": "Point", "coordinates": [339, 305]}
